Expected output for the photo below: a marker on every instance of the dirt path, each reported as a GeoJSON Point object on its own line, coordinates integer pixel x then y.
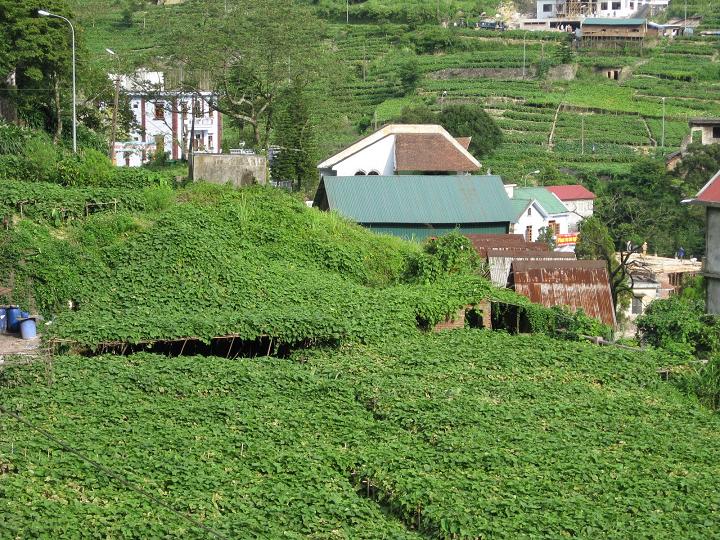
{"type": "Point", "coordinates": [11, 344]}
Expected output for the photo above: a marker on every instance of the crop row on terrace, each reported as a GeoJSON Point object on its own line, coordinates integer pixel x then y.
{"type": "Point", "coordinates": [459, 435]}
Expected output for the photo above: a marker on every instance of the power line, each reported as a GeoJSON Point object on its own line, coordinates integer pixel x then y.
{"type": "Point", "coordinates": [109, 472]}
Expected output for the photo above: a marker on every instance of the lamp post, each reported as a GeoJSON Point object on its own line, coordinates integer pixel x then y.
{"type": "Point", "coordinates": [525, 176]}
{"type": "Point", "coordinates": [524, 36]}
{"type": "Point", "coordinates": [44, 13]}
{"type": "Point", "coordinates": [113, 131]}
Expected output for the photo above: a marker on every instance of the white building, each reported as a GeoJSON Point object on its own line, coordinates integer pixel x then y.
{"type": "Point", "coordinates": [615, 9]}
{"type": "Point", "coordinates": [403, 149]}
{"type": "Point", "coordinates": [579, 201]}
{"type": "Point", "coordinates": [166, 121]}
{"type": "Point", "coordinates": [537, 208]}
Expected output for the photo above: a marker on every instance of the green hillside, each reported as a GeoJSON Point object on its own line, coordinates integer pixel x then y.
{"type": "Point", "coordinates": [587, 125]}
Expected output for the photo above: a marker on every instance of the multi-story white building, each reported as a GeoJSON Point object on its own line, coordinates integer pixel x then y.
{"type": "Point", "coordinates": [166, 121]}
{"type": "Point", "coordinates": [619, 9]}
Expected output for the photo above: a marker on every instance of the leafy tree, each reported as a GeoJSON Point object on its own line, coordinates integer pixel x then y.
{"type": "Point", "coordinates": [472, 121]}
{"type": "Point", "coordinates": [409, 74]}
{"type": "Point", "coordinates": [547, 236]}
{"type": "Point", "coordinates": [698, 165]}
{"type": "Point", "coordinates": [644, 206]}
{"type": "Point", "coordinates": [564, 52]}
{"type": "Point", "coordinates": [595, 242]}
{"type": "Point", "coordinates": [38, 50]}
{"type": "Point", "coordinates": [252, 50]}
{"type": "Point", "coordinates": [417, 114]}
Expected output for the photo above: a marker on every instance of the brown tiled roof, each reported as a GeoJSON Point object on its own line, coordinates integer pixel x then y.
{"type": "Point", "coordinates": [464, 141]}
{"type": "Point", "coordinates": [576, 284]}
{"type": "Point", "coordinates": [429, 152]}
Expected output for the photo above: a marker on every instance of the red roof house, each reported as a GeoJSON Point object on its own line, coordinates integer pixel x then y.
{"type": "Point", "coordinates": [575, 192]}
{"type": "Point", "coordinates": [579, 201]}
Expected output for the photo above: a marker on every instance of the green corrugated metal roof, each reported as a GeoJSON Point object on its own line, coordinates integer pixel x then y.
{"type": "Point", "coordinates": [519, 206]}
{"type": "Point", "coordinates": [613, 22]}
{"type": "Point", "coordinates": [419, 199]}
{"type": "Point", "coordinates": [547, 200]}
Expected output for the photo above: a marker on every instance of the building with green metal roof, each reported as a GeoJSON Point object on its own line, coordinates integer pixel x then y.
{"type": "Point", "coordinates": [417, 207]}
{"type": "Point", "coordinates": [545, 197]}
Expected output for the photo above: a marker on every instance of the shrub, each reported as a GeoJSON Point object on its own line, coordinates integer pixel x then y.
{"type": "Point", "coordinates": [159, 197]}
{"type": "Point", "coordinates": [89, 168]}
{"type": "Point", "coordinates": [680, 326]}
{"type": "Point", "coordinates": [449, 254]}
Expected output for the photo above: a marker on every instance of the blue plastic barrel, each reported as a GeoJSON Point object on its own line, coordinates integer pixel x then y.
{"type": "Point", "coordinates": [13, 314]}
{"type": "Point", "coordinates": [24, 314]}
{"type": "Point", "coordinates": [28, 328]}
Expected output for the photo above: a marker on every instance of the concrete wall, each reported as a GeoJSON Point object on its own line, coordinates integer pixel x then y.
{"type": "Point", "coordinates": [712, 259]}
{"type": "Point", "coordinates": [239, 171]}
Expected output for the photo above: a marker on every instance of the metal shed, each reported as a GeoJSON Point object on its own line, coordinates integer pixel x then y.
{"type": "Point", "coordinates": [500, 261]}
{"type": "Point", "coordinates": [576, 284]}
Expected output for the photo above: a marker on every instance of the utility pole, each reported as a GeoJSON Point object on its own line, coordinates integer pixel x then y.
{"type": "Point", "coordinates": [347, 11]}
{"type": "Point", "coordinates": [524, 54]}
{"type": "Point", "coordinates": [582, 134]}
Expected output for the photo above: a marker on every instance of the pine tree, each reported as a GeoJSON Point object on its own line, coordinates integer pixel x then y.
{"type": "Point", "coordinates": [294, 135]}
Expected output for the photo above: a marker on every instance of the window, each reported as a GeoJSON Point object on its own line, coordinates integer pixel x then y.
{"type": "Point", "coordinates": [716, 132]}
{"type": "Point", "coordinates": [547, 8]}
{"type": "Point", "coordinates": [603, 6]}
{"type": "Point", "coordinates": [632, 5]}
{"type": "Point", "coordinates": [360, 173]}
{"type": "Point", "coordinates": [554, 226]}
{"type": "Point", "coordinates": [210, 142]}
{"type": "Point", "coordinates": [198, 107]}
{"type": "Point", "coordinates": [528, 233]}
{"type": "Point", "coordinates": [135, 105]}
{"type": "Point", "coordinates": [373, 173]}
{"type": "Point", "coordinates": [159, 111]}
{"type": "Point", "coordinates": [529, 212]}
{"type": "Point", "coordinates": [616, 5]}
{"type": "Point", "coordinates": [637, 305]}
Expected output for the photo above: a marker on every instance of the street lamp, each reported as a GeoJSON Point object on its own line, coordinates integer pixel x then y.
{"type": "Point", "coordinates": [44, 13]}
{"type": "Point", "coordinates": [525, 177]}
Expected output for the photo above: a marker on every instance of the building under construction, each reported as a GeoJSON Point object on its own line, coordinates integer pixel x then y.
{"type": "Point", "coordinates": [573, 9]}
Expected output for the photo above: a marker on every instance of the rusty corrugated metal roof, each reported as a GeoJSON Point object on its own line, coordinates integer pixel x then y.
{"type": "Point", "coordinates": [500, 261]}
{"type": "Point", "coordinates": [483, 242]}
{"type": "Point", "coordinates": [576, 284]}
